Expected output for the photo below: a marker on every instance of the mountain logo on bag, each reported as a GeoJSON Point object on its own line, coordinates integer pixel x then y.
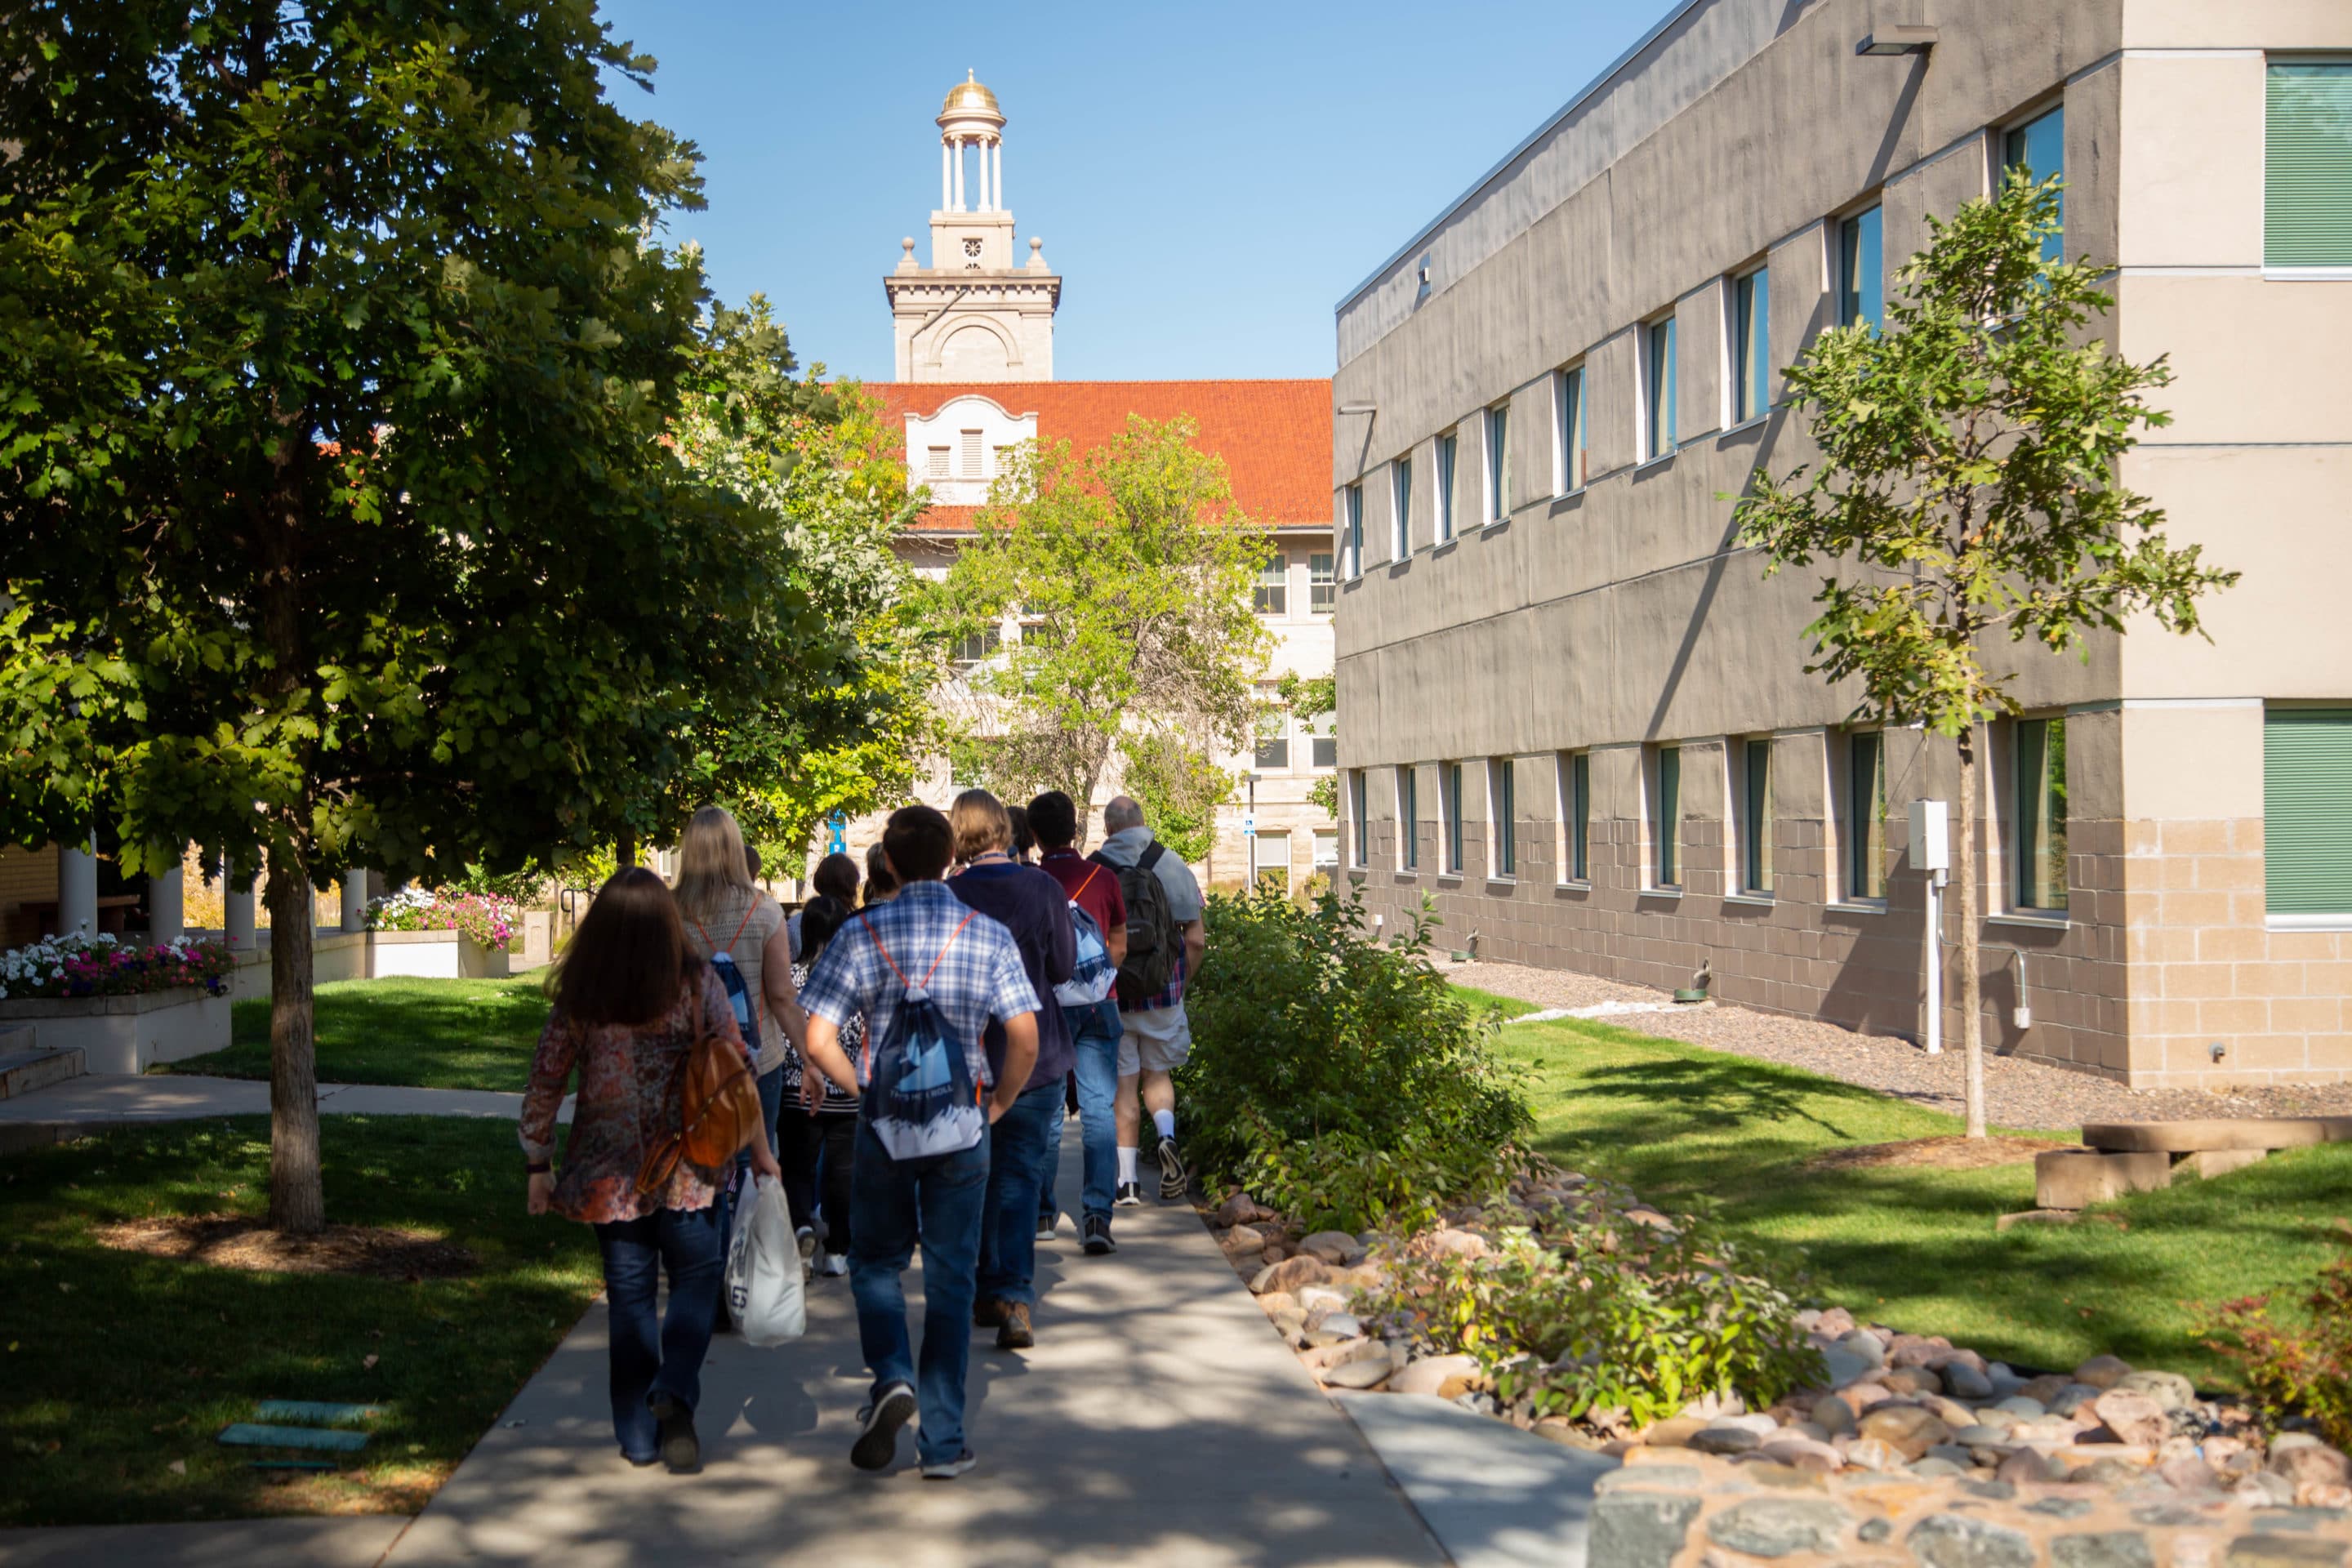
{"type": "Point", "coordinates": [739, 990]}
{"type": "Point", "coordinates": [921, 1097]}
{"type": "Point", "coordinates": [1091, 974]}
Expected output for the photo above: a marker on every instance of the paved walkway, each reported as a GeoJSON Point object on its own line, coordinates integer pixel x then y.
{"type": "Point", "coordinates": [80, 1105]}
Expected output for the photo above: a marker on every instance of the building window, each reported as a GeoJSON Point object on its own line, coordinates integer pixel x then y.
{"type": "Point", "coordinates": [1272, 743]}
{"type": "Point", "coordinates": [971, 469]}
{"type": "Point", "coordinates": [1572, 460]}
{"type": "Point", "coordinates": [1409, 817]}
{"type": "Point", "coordinates": [2041, 796]}
{"type": "Point", "coordinates": [978, 647]}
{"type": "Point", "coordinates": [1576, 814]}
{"type": "Point", "coordinates": [1352, 537]}
{"type": "Point", "coordinates": [1358, 802]}
{"type": "Point", "coordinates": [1498, 462]}
{"type": "Point", "coordinates": [2038, 147]}
{"type": "Point", "coordinates": [1502, 815]}
{"type": "Point", "coordinates": [1273, 584]}
{"type": "Point", "coordinates": [2308, 164]}
{"type": "Point", "coordinates": [1324, 735]}
{"type": "Point", "coordinates": [1270, 861]}
{"type": "Point", "coordinates": [1755, 797]}
{"type": "Point", "coordinates": [1327, 850]}
{"type": "Point", "coordinates": [1658, 387]}
{"type": "Point", "coordinates": [1449, 792]}
{"type": "Point", "coordinates": [938, 466]}
{"type": "Point", "coordinates": [1862, 272]}
{"type": "Point", "coordinates": [2307, 812]}
{"type": "Point", "coordinates": [1751, 345]}
{"type": "Point", "coordinates": [1447, 445]}
{"type": "Point", "coordinates": [1865, 815]}
{"type": "Point", "coordinates": [1401, 507]}
{"type": "Point", "coordinates": [1666, 818]}
{"type": "Point", "coordinates": [1322, 584]}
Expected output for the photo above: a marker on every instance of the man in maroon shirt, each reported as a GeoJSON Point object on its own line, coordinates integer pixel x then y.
{"type": "Point", "coordinates": [1094, 1033]}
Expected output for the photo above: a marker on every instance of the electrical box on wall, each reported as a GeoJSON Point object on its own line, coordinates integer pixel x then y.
{"type": "Point", "coordinates": [1931, 835]}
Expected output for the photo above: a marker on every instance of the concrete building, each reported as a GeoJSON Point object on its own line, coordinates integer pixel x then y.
{"type": "Point", "coordinates": [974, 334]}
{"type": "Point", "coordinates": [1576, 718]}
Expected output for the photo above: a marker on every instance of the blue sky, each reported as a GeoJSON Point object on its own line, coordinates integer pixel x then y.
{"type": "Point", "coordinates": [1208, 179]}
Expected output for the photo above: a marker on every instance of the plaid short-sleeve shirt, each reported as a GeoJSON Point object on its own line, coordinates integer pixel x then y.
{"type": "Point", "coordinates": [979, 973]}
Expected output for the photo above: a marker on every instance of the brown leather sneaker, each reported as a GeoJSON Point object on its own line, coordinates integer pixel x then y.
{"type": "Point", "coordinates": [1012, 1330]}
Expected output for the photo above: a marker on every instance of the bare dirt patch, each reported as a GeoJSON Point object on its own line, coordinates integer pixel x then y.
{"type": "Point", "coordinates": [1949, 1153]}
{"type": "Point", "coordinates": [241, 1241]}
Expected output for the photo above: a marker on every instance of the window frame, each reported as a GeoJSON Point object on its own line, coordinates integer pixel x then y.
{"type": "Point", "coordinates": [1495, 441]}
{"type": "Point", "coordinates": [1360, 806]}
{"type": "Point", "coordinates": [1273, 578]}
{"type": "Point", "coordinates": [1748, 336]}
{"type": "Point", "coordinates": [1502, 820]}
{"type": "Point", "coordinates": [2280, 721]}
{"type": "Point", "coordinates": [1449, 803]}
{"type": "Point", "coordinates": [1662, 793]}
{"type": "Point", "coordinates": [1408, 792]}
{"type": "Point", "coordinates": [1263, 743]}
{"type": "Point", "coordinates": [2275, 64]}
{"type": "Point", "coordinates": [1861, 839]}
{"type": "Point", "coordinates": [1258, 867]}
{"type": "Point", "coordinates": [1571, 437]}
{"type": "Point", "coordinates": [1351, 534]}
{"type": "Point", "coordinates": [1400, 506]}
{"type": "Point", "coordinates": [1751, 814]}
{"type": "Point", "coordinates": [1658, 432]}
{"type": "Point", "coordinates": [2027, 862]}
{"type": "Point", "coordinates": [1573, 780]}
{"type": "Point", "coordinates": [2053, 247]}
{"type": "Point", "coordinates": [1449, 460]}
{"type": "Point", "coordinates": [1324, 588]}
{"type": "Point", "coordinates": [1851, 296]}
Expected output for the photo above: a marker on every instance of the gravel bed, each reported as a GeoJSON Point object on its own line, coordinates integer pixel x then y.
{"type": "Point", "coordinates": [2018, 1094]}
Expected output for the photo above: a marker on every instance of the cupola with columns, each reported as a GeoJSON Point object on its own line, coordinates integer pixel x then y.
{"type": "Point", "coordinates": [973, 314]}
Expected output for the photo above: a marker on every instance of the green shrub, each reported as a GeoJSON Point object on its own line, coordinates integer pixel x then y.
{"type": "Point", "coordinates": [1608, 1320]}
{"type": "Point", "coordinates": [1342, 1082]}
{"type": "Point", "coordinates": [2297, 1367]}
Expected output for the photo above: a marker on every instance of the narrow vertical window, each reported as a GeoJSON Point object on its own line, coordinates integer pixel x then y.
{"type": "Point", "coordinates": [1273, 584]}
{"type": "Point", "coordinates": [1658, 388]}
{"type": "Point", "coordinates": [1358, 800]}
{"type": "Point", "coordinates": [970, 453]}
{"type": "Point", "coordinates": [1752, 346]}
{"type": "Point", "coordinates": [1449, 790]}
{"type": "Point", "coordinates": [1666, 818]}
{"type": "Point", "coordinates": [2308, 164]}
{"type": "Point", "coordinates": [1352, 531]}
{"type": "Point", "coordinates": [1755, 816]}
{"type": "Point", "coordinates": [1498, 463]}
{"type": "Point", "coordinates": [1409, 816]}
{"type": "Point", "coordinates": [1580, 816]}
{"type": "Point", "coordinates": [1447, 445]}
{"type": "Point", "coordinates": [1571, 430]}
{"type": "Point", "coordinates": [1865, 815]}
{"type": "Point", "coordinates": [1503, 810]}
{"type": "Point", "coordinates": [1862, 272]}
{"type": "Point", "coordinates": [1401, 503]}
{"type": "Point", "coordinates": [2038, 147]}
{"type": "Point", "coordinates": [2040, 794]}
{"type": "Point", "coordinates": [1322, 586]}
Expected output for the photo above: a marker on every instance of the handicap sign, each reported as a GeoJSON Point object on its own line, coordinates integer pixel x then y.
{"type": "Point", "coordinates": [837, 825]}
{"type": "Point", "coordinates": [1249, 825]}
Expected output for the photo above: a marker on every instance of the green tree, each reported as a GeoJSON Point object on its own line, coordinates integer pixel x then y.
{"type": "Point", "coordinates": [1968, 490]}
{"type": "Point", "coordinates": [335, 527]}
{"type": "Point", "coordinates": [1309, 698]}
{"type": "Point", "coordinates": [1129, 569]}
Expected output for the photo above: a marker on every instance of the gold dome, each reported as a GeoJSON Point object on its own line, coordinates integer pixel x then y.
{"type": "Point", "coordinates": [969, 99]}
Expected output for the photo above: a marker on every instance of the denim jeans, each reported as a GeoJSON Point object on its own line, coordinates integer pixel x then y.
{"type": "Point", "coordinates": [771, 1100]}
{"type": "Point", "coordinates": [652, 1351]}
{"type": "Point", "coordinates": [944, 1194]}
{"type": "Point", "coordinates": [1019, 1161]}
{"type": "Point", "coordinates": [1096, 1037]}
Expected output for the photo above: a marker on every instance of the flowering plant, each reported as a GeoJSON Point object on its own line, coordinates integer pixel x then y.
{"type": "Point", "coordinates": [79, 965]}
{"type": "Point", "coordinates": [487, 918]}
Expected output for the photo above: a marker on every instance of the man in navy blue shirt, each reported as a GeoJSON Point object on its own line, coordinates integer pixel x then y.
{"type": "Point", "coordinates": [1032, 907]}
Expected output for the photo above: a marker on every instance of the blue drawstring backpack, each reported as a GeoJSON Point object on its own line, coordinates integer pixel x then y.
{"type": "Point", "coordinates": [1091, 975]}
{"type": "Point", "coordinates": [730, 979]}
{"type": "Point", "coordinates": [921, 1098]}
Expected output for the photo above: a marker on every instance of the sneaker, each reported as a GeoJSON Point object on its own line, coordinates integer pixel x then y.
{"type": "Point", "coordinates": [1013, 1333]}
{"type": "Point", "coordinates": [806, 1239]}
{"type": "Point", "coordinates": [1130, 1196]}
{"type": "Point", "coordinates": [1174, 1179]}
{"type": "Point", "coordinates": [1097, 1233]}
{"type": "Point", "coordinates": [987, 1312]}
{"type": "Point", "coordinates": [1045, 1226]}
{"type": "Point", "coordinates": [831, 1265]}
{"type": "Point", "coordinates": [878, 1424]}
{"type": "Point", "coordinates": [948, 1470]}
{"type": "Point", "coordinates": [679, 1449]}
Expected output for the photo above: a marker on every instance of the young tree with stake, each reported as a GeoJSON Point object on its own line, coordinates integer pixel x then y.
{"type": "Point", "coordinates": [1968, 490]}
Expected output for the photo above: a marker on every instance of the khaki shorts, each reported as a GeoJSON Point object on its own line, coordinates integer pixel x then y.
{"type": "Point", "coordinates": [1155, 1041]}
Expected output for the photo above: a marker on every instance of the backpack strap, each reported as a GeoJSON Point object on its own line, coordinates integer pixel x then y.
{"type": "Point", "coordinates": [904, 983]}
{"type": "Point", "coordinates": [1150, 856]}
{"type": "Point", "coordinates": [1091, 875]}
{"type": "Point", "coordinates": [729, 949]}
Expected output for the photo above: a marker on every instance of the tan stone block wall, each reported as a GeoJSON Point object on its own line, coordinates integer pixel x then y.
{"type": "Point", "coordinates": [29, 874]}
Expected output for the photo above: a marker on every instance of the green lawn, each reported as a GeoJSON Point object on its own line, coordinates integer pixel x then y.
{"type": "Point", "coordinates": [425, 1033]}
{"type": "Point", "coordinates": [118, 1364]}
{"type": "Point", "coordinates": [1705, 1131]}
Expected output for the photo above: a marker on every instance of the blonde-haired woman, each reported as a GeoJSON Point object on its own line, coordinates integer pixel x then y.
{"type": "Point", "coordinates": [730, 923]}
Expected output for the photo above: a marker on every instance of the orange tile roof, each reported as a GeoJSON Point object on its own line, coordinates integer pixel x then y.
{"type": "Point", "coordinates": [1275, 435]}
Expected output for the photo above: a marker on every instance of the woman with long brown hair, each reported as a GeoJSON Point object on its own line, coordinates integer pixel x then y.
{"type": "Point", "coordinates": [630, 1000]}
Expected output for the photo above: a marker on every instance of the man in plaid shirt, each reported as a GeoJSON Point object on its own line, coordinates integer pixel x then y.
{"type": "Point", "coordinates": [969, 964]}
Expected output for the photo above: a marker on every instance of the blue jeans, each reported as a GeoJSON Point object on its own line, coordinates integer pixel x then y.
{"type": "Point", "coordinates": [651, 1351]}
{"type": "Point", "coordinates": [1019, 1162]}
{"type": "Point", "coordinates": [1095, 1034]}
{"type": "Point", "coordinates": [943, 1196]}
{"type": "Point", "coordinates": [772, 1101]}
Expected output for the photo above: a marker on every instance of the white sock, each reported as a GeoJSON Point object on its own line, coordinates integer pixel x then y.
{"type": "Point", "coordinates": [1126, 1164]}
{"type": "Point", "coordinates": [1166, 1121]}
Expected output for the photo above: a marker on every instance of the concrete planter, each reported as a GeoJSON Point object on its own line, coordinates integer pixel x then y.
{"type": "Point", "coordinates": [433, 955]}
{"type": "Point", "coordinates": [334, 955]}
{"type": "Point", "coordinates": [127, 1034]}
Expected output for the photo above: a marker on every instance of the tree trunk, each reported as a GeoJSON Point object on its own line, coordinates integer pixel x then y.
{"type": "Point", "coordinates": [1971, 986]}
{"type": "Point", "coordinates": [298, 1202]}
{"type": "Point", "coordinates": [624, 853]}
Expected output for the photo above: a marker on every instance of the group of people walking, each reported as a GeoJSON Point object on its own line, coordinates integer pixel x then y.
{"type": "Point", "coordinates": [916, 1050]}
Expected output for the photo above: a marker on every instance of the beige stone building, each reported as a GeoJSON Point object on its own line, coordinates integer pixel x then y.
{"type": "Point", "coordinates": [1579, 721]}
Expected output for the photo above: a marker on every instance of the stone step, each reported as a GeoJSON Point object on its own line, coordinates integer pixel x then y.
{"type": "Point", "coordinates": [2216, 1132]}
{"type": "Point", "coordinates": [24, 1069]}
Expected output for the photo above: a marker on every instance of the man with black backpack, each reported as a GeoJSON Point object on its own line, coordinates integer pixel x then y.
{"type": "Point", "coordinates": [1165, 940]}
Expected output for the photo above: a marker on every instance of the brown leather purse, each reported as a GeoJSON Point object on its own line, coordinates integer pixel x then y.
{"type": "Point", "coordinates": [718, 1108]}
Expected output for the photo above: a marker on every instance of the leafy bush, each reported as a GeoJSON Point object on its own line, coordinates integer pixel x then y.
{"type": "Point", "coordinates": [78, 965]}
{"type": "Point", "coordinates": [1608, 1320]}
{"type": "Point", "coordinates": [1342, 1082]}
{"type": "Point", "coordinates": [2297, 1368]}
{"type": "Point", "coordinates": [490, 919]}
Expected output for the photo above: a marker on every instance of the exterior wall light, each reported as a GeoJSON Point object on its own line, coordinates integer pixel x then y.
{"type": "Point", "coordinates": [1900, 39]}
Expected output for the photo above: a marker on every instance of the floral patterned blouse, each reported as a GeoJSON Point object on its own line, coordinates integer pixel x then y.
{"type": "Point", "coordinates": [630, 1080]}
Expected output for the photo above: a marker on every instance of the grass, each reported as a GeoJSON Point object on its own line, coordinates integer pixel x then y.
{"type": "Point", "coordinates": [1708, 1132]}
{"type": "Point", "coordinates": [117, 1365]}
{"type": "Point", "coordinates": [1509, 1006]}
{"type": "Point", "coordinates": [424, 1034]}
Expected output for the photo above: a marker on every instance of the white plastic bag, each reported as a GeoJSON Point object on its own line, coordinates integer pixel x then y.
{"type": "Point", "coordinates": [763, 1270]}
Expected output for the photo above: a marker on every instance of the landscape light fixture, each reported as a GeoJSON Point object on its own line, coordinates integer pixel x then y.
{"type": "Point", "coordinates": [1903, 38]}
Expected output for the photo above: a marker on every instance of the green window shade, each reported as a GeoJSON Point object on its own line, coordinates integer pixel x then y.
{"type": "Point", "coordinates": [1756, 835]}
{"type": "Point", "coordinates": [1453, 803]}
{"type": "Point", "coordinates": [2041, 814]}
{"type": "Point", "coordinates": [1866, 824]}
{"type": "Point", "coordinates": [2307, 166]}
{"type": "Point", "coordinates": [1669, 821]}
{"type": "Point", "coordinates": [2307, 811]}
{"type": "Point", "coordinates": [1579, 818]}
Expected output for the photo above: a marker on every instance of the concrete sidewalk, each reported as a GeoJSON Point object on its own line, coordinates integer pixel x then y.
{"type": "Point", "coordinates": [81, 1105]}
{"type": "Point", "coordinates": [1158, 1421]}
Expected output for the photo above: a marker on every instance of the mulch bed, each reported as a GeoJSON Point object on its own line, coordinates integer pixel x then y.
{"type": "Point", "coordinates": [1949, 1153]}
{"type": "Point", "coordinates": [241, 1241]}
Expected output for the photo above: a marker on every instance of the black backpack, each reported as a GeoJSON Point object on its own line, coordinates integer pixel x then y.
{"type": "Point", "coordinates": [1152, 934]}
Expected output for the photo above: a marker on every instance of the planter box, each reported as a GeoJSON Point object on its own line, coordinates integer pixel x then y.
{"type": "Point", "coordinates": [127, 1034]}
{"type": "Point", "coordinates": [433, 955]}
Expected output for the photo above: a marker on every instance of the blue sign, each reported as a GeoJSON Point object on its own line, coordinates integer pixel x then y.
{"type": "Point", "coordinates": [837, 825]}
